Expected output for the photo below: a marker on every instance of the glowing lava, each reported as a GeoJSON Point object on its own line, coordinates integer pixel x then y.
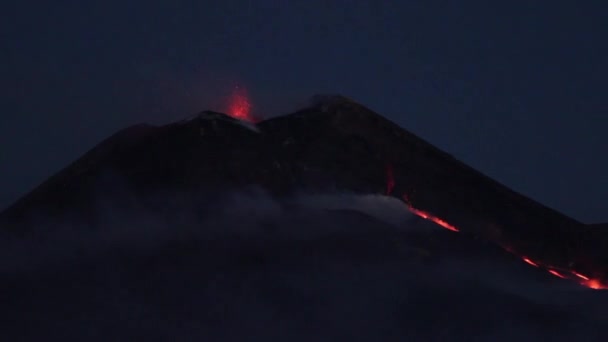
{"type": "Point", "coordinates": [435, 219]}
{"type": "Point", "coordinates": [579, 278]}
{"type": "Point", "coordinates": [573, 275]}
{"type": "Point", "coordinates": [594, 284]}
{"type": "Point", "coordinates": [239, 105]}
{"type": "Point", "coordinates": [529, 262]}
{"type": "Point", "coordinates": [557, 274]}
{"type": "Point", "coordinates": [580, 275]}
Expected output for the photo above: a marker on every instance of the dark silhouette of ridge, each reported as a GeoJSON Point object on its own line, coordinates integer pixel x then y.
{"type": "Point", "coordinates": [335, 144]}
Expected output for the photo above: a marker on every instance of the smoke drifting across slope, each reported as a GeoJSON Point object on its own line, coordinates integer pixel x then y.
{"type": "Point", "coordinates": [312, 267]}
{"type": "Point", "coordinates": [243, 214]}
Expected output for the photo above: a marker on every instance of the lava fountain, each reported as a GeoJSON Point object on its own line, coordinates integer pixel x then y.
{"type": "Point", "coordinates": [239, 106]}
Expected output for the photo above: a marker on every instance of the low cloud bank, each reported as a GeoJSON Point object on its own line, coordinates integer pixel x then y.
{"type": "Point", "coordinates": [313, 267]}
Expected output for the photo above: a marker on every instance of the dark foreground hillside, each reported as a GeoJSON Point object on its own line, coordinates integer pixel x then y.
{"type": "Point", "coordinates": [273, 272]}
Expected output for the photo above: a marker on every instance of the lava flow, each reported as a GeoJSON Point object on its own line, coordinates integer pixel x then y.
{"type": "Point", "coordinates": [240, 106]}
{"type": "Point", "coordinates": [433, 218]}
{"type": "Point", "coordinates": [557, 274]}
{"type": "Point", "coordinates": [573, 275]}
{"type": "Point", "coordinates": [568, 274]}
{"type": "Point", "coordinates": [529, 262]}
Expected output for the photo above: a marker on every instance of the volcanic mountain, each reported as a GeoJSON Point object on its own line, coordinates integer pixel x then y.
{"type": "Point", "coordinates": [335, 144]}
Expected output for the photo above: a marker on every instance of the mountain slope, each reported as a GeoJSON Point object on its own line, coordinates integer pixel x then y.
{"type": "Point", "coordinates": [333, 145]}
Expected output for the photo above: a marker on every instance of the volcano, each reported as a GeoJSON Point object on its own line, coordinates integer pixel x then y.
{"type": "Point", "coordinates": [333, 145]}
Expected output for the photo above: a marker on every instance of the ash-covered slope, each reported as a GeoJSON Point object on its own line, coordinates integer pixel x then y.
{"type": "Point", "coordinates": [335, 144]}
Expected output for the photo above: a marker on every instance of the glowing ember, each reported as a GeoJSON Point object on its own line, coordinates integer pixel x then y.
{"type": "Point", "coordinates": [240, 107]}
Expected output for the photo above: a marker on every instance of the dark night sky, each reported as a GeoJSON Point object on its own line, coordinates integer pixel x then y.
{"type": "Point", "coordinates": [515, 90]}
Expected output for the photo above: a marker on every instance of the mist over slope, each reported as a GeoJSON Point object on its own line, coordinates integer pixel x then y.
{"type": "Point", "coordinates": [309, 267]}
{"type": "Point", "coordinates": [215, 229]}
{"type": "Point", "coordinates": [335, 144]}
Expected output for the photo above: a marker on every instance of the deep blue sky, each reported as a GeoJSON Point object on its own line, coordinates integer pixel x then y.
{"type": "Point", "coordinates": [516, 90]}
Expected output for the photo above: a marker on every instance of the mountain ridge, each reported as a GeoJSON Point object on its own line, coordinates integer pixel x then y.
{"type": "Point", "coordinates": [335, 144]}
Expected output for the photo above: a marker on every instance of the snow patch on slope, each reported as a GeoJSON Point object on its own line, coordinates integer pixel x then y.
{"type": "Point", "coordinates": [249, 125]}
{"type": "Point", "coordinates": [215, 116]}
{"type": "Point", "coordinates": [385, 208]}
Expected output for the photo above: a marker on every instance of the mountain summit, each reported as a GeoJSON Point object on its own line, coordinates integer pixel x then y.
{"type": "Point", "coordinates": [335, 144]}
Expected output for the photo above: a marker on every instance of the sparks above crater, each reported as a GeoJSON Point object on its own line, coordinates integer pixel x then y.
{"type": "Point", "coordinates": [239, 106]}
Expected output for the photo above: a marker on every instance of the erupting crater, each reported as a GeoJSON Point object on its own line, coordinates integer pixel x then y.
{"type": "Point", "coordinates": [239, 106]}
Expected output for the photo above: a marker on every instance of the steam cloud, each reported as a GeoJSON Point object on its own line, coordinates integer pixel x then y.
{"type": "Point", "coordinates": [312, 267]}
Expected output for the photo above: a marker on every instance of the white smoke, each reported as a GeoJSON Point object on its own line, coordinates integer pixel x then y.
{"type": "Point", "coordinates": [238, 214]}
{"type": "Point", "coordinates": [385, 208]}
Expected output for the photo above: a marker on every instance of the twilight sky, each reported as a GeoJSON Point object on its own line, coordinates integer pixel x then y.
{"type": "Point", "coordinates": [516, 90]}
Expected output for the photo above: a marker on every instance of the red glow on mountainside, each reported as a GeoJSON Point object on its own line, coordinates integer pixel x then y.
{"type": "Point", "coordinates": [573, 275]}
{"type": "Point", "coordinates": [390, 180]}
{"type": "Point", "coordinates": [435, 219]}
{"type": "Point", "coordinates": [239, 105]}
{"type": "Point", "coordinates": [530, 262]}
{"type": "Point", "coordinates": [594, 284]}
{"type": "Point", "coordinates": [557, 274]}
{"type": "Point", "coordinates": [580, 275]}
{"type": "Point", "coordinates": [579, 278]}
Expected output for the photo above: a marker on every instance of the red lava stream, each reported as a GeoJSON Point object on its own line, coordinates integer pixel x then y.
{"type": "Point", "coordinates": [573, 275]}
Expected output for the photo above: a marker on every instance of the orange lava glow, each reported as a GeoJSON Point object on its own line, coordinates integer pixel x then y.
{"type": "Point", "coordinates": [530, 262]}
{"type": "Point", "coordinates": [573, 275]}
{"type": "Point", "coordinates": [594, 284]}
{"type": "Point", "coordinates": [239, 105]}
{"type": "Point", "coordinates": [580, 275]}
{"type": "Point", "coordinates": [579, 278]}
{"type": "Point", "coordinates": [557, 274]}
{"type": "Point", "coordinates": [430, 217]}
